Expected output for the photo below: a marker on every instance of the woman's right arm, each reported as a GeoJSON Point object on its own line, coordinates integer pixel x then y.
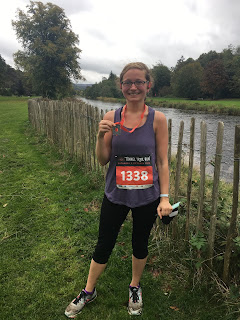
{"type": "Point", "coordinates": [104, 138]}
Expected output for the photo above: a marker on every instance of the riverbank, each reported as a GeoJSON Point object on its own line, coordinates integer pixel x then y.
{"type": "Point", "coordinates": [228, 107]}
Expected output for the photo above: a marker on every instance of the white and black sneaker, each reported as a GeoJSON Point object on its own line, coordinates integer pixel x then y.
{"type": "Point", "coordinates": [76, 306]}
{"type": "Point", "coordinates": [135, 301]}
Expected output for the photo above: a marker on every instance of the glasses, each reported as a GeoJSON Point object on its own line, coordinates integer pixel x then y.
{"type": "Point", "coordinates": [137, 83]}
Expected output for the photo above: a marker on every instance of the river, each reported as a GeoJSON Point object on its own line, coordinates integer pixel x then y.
{"type": "Point", "coordinates": [212, 123]}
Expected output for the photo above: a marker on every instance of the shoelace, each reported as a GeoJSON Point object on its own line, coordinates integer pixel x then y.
{"type": "Point", "coordinates": [79, 297]}
{"type": "Point", "coordinates": [135, 296]}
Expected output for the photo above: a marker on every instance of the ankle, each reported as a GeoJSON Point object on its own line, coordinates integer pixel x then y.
{"type": "Point", "coordinates": [133, 285]}
{"type": "Point", "coordinates": [89, 292]}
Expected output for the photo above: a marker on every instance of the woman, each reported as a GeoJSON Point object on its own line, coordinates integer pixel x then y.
{"type": "Point", "coordinates": [134, 139]}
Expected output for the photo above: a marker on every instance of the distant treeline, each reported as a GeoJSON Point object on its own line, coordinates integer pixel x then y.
{"type": "Point", "coordinates": [13, 82]}
{"type": "Point", "coordinates": [16, 82]}
{"type": "Point", "coordinates": [212, 76]}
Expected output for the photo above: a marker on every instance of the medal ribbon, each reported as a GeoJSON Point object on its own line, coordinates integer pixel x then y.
{"type": "Point", "coordinates": [123, 118]}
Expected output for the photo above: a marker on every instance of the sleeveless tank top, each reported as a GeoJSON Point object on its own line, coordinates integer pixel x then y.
{"type": "Point", "coordinates": [132, 177]}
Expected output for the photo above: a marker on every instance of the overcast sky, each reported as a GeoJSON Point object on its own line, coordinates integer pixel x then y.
{"type": "Point", "coordinates": [113, 33]}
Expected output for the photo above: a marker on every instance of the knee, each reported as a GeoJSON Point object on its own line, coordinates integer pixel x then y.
{"type": "Point", "coordinates": [140, 250]}
{"type": "Point", "coordinates": [102, 253]}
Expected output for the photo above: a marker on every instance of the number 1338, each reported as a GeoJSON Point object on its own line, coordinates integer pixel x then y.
{"type": "Point", "coordinates": [134, 175]}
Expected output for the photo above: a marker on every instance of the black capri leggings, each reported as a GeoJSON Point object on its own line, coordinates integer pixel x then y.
{"type": "Point", "coordinates": [112, 217]}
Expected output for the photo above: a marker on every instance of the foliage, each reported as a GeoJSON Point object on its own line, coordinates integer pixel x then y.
{"type": "Point", "coordinates": [50, 53]}
{"type": "Point", "coordinates": [237, 243]}
{"type": "Point", "coordinates": [215, 79]}
{"type": "Point", "coordinates": [162, 77]}
{"type": "Point", "coordinates": [2, 70]}
{"type": "Point", "coordinates": [181, 63]}
{"type": "Point", "coordinates": [105, 88]}
{"type": "Point", "coordinates": [198, 241]}
{"type": "Point", "coordinates": [12, 82]}
{"type": "Point", "coordinates": [186, 82]}
{"type": "Point", "coordinates": [233, 72]}
{"type": "Point", "coordinates": [206, 58]}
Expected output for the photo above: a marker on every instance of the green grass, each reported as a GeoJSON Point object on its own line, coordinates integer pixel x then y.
{"type": "Point", "coordinates": [226, 106]}
{"type": "Point", "coordinates": [49, 210]}
{"type": "Point", "coordinates": [224, 102]}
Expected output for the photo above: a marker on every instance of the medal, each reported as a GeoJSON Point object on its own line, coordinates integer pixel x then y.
{"type": "Point", "coordinates": [116, 130]}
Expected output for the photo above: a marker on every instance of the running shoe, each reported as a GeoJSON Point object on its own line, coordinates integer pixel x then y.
{"type": "Point", "coordinates": [135, 301]}
{"type": "Point", "coordinates": [76, 306]}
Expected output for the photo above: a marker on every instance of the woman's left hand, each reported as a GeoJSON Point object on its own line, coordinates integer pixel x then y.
{"type": "Point", "coordinates": [164, 208]}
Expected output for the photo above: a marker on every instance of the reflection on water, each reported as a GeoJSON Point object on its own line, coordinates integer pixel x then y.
{"type": "Point", "coordinates": [212, 123]}
{"type": "Point", "coordinates": [102, 104]}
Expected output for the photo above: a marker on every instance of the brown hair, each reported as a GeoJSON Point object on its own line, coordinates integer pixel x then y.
{"type": "Point", "coordinates": [136, 65]}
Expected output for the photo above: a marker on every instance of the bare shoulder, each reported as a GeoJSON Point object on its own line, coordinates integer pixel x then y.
{"type": "Point", "coordinates": [159, 120]}
{"type": "Point", "coordinates": [109, 115]}
{"type": "Point", "coordinates": [159, 116]}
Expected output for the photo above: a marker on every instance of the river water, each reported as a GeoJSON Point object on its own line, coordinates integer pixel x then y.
{"type": "Point", "coordinates": [212, 123]}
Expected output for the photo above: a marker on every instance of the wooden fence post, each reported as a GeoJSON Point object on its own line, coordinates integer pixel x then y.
{"type": "Point", "coordinates": [178, 175]}
{"type": "Point", "coordinates": [233, 222]}
{"type": "Point", "coordinates": [72, 129]}
{"type": "Point", "coordinates": [169, 147]}
{"type": "Point", "coordinates": [202, 174]}
{"type": "Point", "coordinates": [97, 120]}
{"type": "Point", "coordinates": [190, 170]}
{"type": "Point", "coordinates": [77, 131]}
{"type": "Point", "coordinates": [213, 220]}
{"type": "Point", "coordinates": [89, 137]}
{"type": "Point", "coordinates": [179, 161]}
{"type": "Point", "coordinates": [82, 135]}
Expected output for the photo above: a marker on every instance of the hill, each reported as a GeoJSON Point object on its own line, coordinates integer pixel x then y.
{"type": "Point", "coordinates": [81, 86]}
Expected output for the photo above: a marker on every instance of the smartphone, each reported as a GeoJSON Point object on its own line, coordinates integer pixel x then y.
{"type": "Point", "coordinates": [174, 209]}
{"type": "Point", "coordinates": [168, 219]}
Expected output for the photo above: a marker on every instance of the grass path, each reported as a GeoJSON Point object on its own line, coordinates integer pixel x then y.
{"type": "Point", "coordinates": [48, 228]}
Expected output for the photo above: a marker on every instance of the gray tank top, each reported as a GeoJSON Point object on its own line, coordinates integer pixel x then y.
{"type": "Point", "coordinates": [132, 177]}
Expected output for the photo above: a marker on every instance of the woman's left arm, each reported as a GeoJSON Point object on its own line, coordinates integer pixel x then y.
{"type": "Point", "coordinates": [161, 136]}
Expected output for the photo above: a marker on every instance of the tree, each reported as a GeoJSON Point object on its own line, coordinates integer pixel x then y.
{"type": "Point", "coordinates": [215, 79]}
{"type": "Point", "coordinates": [112, 76]}
{"type": "Point", "coordinates": [50, 53]}
{"type": "Point", "coordinates": [106, 88]}
{"type": "Point", "coordinates": [234, 77]}
{"type": "Point", "coordinates": [3, 69]}
{"type": "Point", "coordinates": [187, 81]}
{"type": "Point", "coordinates": [181, 63]}
{"type": "Point", "coordinates": [162, 77]}
{"type": "Point", "coordinates": [205, 58]}
{"type": "Point", "coordinates": [92, 92]}
{"type": "Point", "coordinates": [11, 80]}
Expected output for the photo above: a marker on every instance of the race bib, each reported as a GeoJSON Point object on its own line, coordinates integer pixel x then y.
{"type": "Point", "coordinates": [134, 172]}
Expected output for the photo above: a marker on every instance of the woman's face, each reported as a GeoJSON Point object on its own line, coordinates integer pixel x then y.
{"type": "Point", "coordinates": [135, 93]}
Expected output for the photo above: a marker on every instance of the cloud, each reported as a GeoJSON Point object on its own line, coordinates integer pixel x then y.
{"type": "Point", "coordinates": [102, 65]}
{"type": "Point", "coordinates": [73, 6]}
{"type": "Point", "coordinates": [99, 35]}
{"type": "Point", "coordinates": [7, 50]}
{"type": "Point", "coordinates": [113, 33]}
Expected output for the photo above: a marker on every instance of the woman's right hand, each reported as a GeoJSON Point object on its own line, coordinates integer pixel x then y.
{"type": "Point", "coordinates": [104, 127]}
{"type": "Point", "coordinates": [104, 138]}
